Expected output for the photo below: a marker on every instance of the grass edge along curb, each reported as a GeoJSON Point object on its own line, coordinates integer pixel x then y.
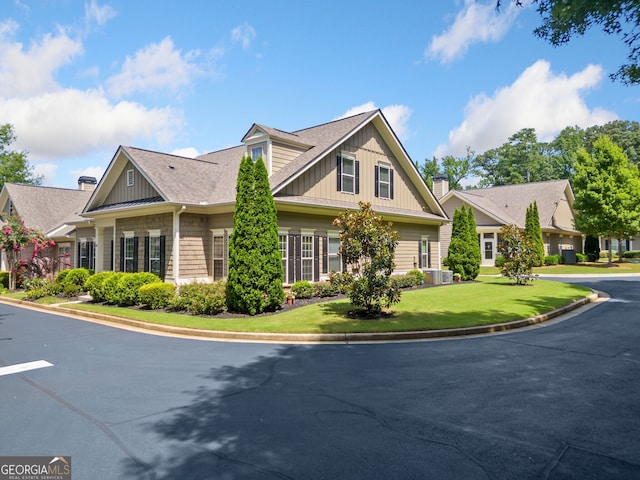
{"type": "Point", "coordinates": [310, 337]}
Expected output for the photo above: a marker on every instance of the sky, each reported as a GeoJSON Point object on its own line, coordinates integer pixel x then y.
{"type": "Point", "coordinates": [79, 78]}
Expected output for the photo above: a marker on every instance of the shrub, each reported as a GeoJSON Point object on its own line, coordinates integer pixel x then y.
{"type": "Point", "coordinates": [110, 287]}
{"type": "Point", "coordinates": [302, 289]}
{"type": "Point", "coordinates": [631, 254]}
{"type": "Point", "coordinates": [341, 281]}
{"type": "Point", "coordinates": [71, 290]}
{"type": "Point", "coordinates": [592, 248]}
{"type": "Point", "coordinates": [157, 295]}
{"type": "Point", "coordinates": [76, 276]}
{"type": "Point", "coordinates": [418, 276]}
{"type": "Point", "coordinates": [499, 261]}
{"type": "Point", "coordinates": [581, 257]}
{"type": "Point", "coordinates": [201, 298]}
{"type": "Point", "coordinates": [129, 284]}
{"type": "Point", "coordinates": [550, 260]}
{"type": "Point", "coordinates": [325, 289]}
{"type": "Point", "coordinates": [95, 285]}
{"type": "Point", "coordinates": [36, 292]}
{"type": "Point", "coordinates": [62, 275]}
{"type": "Point", "coordinates": [402, 281]}
{"type": "Point", "coordinates": [604, 253]}
{"type": "Point", "coordinates": [4, 279]}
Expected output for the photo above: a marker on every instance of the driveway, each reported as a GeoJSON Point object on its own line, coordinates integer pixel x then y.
{"type": "Point", "coordinates": [558, 401]}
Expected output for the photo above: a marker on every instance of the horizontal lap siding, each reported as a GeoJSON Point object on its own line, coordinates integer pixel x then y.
{"type": "Point", "coordinates": [282, 154]}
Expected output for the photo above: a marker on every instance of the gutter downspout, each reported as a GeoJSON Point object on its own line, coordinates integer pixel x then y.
{"type": "Point", "coordinates": [176, 244]}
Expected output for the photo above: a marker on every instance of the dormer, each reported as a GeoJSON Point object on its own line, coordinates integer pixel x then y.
{"type": "Point", "coordinates": [276, 147]}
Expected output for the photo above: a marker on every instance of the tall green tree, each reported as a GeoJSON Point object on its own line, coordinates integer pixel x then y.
{"type": "Point", "coordinates": [607, 191]}
{"type": "Point", "coordinates": [522, 159]}
{"type": "Point", "coordinates": [475, 256]}
{"type": "Point", "coordinates": [624, 133]}
{"type": "Point", "coordinates": [519, 255]}
{"type": "Point", "coordinates": [564, 19]}
{"type": "Point", "coordinates": [533, 232]}
{"type": "Point", "coordinates": [254, 284]}
{"type": "Point", "coordinates": [14, 167]}
{"type": "Point", "coordinates": [428, 170]}
{"type": "Point", "coordinates": [458, 255]}
{"type": "Point", "coordinates": [367, 241]}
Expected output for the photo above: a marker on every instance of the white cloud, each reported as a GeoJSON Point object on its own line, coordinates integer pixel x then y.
{"type": "Point", "coordinates": [72, 122]}
{"type": "Point", "coordinates": [474, 23]}
{"type": "Point", "coordinates": [159, 66]}
{"type": "Point", "coordinates": [47, 171]}
{"type": "Point", "coordinates": [397, 115]}
{"type": "Point", "coordinates": [27, 72]}
{"type": "Point", "coordinates": [189, 152]}
{"type": "Point", "coordinates": [95, 13]}
{"type": "Point", "coordinates": [243, 34]}
{"type": "Point", "coordinates": [95, 171]}
{"type": "Point", "coordinates": [537, 99]}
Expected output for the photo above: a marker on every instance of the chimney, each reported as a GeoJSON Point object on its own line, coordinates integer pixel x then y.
{"type": "Point", "coordinates": [440, 186]}
{"type": "Point", "coordinates": [87, 183]}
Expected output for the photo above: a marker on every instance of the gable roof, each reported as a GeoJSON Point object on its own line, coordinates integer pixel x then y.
{"type": "Point", "coordinates": [509, 203]}
{"type": "Point", "coordinates": [211, 178]}
{"type": "Point", "coordinates": [46, 208]}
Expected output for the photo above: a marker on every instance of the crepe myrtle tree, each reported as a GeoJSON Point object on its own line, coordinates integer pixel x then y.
{"type": "Point", "coordinates": [369, 245]}
{"type": "Point", "coordinates": [15, 238]}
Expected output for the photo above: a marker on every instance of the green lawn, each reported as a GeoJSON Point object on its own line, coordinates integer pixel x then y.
{"type": "Point", "coordinates": [578, 269]}
{"type": "Point", "coordinates": [490, 300]}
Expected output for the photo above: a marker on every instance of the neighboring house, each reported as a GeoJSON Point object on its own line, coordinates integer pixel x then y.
{"type": "Point", "coordinates": [498, 206]}
{"type": "Point", "coordinates": [55, 213]}
{"type": "Point", "coordinates": [173, 215]}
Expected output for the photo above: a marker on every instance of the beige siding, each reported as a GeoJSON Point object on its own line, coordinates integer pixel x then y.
{"type": "Point", "coordinates": [122, 193]}
{"type": "Point", "coordinates": [321, 180]}
{"type": "Point", "coordinates": [281, 154]}
{"type": "Point", "coordinates": [141, 226]}
{"type": "Point", "coordinates": [563, 216]}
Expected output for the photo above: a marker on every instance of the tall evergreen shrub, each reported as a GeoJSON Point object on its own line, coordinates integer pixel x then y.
{"type": "Point", "coordinates": [254, 284]}
{"type": "Point", "coordinates": [475, 257]}
{"type": "Point", "coordinates": [533, 232]}
{"type": "Point", "coordinates": [458, 254]}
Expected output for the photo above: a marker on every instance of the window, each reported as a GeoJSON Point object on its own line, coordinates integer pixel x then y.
{"type": "Point", "coordinates": [130, 178]}
{"type": "Point", "coordinates": [218, 257]}
{"type": "Point", "coordinates": [424, 260]}
{"type": "Point", "coordinates": [256, 153]}
{"type": "Point", "coordinates": [307, 258]}
{"type": "Point", "coordinates": [128, 253]}
{"type": "Point", "coordinates": [64, 256]}
{"type": "Point", "coordinates": [333, 254]}
{"type": "Point", "coordinates": [282, 244]}
{"type": "Point", "coordinates": [86, 254]}
{"type": "Point", "coordinates": [383, 181]}
{"type": "Point", "coordinates": [154, 254]}
{"type": "Point", "coordinates": [348, 174]}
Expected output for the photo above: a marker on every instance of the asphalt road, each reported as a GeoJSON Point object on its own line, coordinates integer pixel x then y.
{"type": "Point", "coordinates": [559, 401]}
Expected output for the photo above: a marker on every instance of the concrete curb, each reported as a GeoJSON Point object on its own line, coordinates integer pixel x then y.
{"type": "Point", "coordinates": [305, 337]}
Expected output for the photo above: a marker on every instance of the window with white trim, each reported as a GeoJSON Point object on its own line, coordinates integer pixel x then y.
{"type": "Point", "coordinates": [219, 257]}
{"type": "Point", "coordinates": [425, 253]}
{"type": "Point", "coordinates": [307, 257]}
{"type": "Point", "coordinates": [348, 168]}
{"type": "Point", "coordinates": [384, 181]}
{"type": "Point", "coordinates": [154, 253]}
{"type": "Point", "coordinates": [334, 259]}
{"type": "Point", "coordinates": [283, 245]}
{"type": "Point", "coordinates": [129, 253]}
{"type": "Point", "coordinates": [130, 178]}
{"type": "Point", "coordinates": [256, 153]}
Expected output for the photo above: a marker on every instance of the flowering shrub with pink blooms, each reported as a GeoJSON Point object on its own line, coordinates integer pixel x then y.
{"type": "Point", "coordinates": [15, 237]}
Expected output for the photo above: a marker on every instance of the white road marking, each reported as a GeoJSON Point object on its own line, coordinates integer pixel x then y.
{"type": "Point", "coordinates": [23, 367]}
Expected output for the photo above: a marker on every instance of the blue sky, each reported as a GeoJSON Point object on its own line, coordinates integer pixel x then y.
{"type": "Point", "coordinates": [80, 78]}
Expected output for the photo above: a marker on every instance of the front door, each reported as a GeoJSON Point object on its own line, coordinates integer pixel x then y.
{"type": "Point", "coordinates": [487, 249]}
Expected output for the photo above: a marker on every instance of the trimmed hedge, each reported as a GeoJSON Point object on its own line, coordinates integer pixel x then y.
{"type": "Point", "coordinates": [129, 284]}
{"type": "Point", "coordinates": [631, 254]}
{"type": "Point", "coordinates": [302, 289]}
{"type": "Point", "coordinates": [95, 285]}
{"type": "Point", "coordinates": [75, 276]}
{"type": "Point", "coordinates": [201, 298]}
{"type": "Point", "coordinates": [552, 260]}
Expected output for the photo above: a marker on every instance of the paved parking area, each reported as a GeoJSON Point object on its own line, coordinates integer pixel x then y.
{"type": "Point", "coordinates": [557, 401]}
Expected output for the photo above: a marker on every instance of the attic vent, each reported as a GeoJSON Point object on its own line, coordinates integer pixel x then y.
{"type": "Point", "coordinates": [130, 178]}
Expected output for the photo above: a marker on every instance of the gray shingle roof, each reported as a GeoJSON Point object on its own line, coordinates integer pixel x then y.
{"type": "Point", "coordinates": [509, 203]}
{"type": "Point", "coordinates": [47, 208]}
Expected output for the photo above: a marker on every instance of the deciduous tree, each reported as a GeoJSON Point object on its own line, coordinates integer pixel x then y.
{"type": "Point", "coordinates": [14, 167]}
{"type": "Point", "coordinates": [369, 244]}
{"type": "Point", "coordinates": [519, 255]}
{"type": "Point", "coordinates": [607, 187]}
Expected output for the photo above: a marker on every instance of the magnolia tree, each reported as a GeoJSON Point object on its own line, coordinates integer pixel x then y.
{"type": "Point", "coordinates": [519, 254]}
{"type": "Point", "coordinates": [15, 238]}
{"type": "Point", "coordinates": [369, 244]}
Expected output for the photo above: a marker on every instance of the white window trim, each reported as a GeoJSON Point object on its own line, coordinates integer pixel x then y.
{"type": "Point", "coordinates": [382, 165]}
{"type": "Point", "coordinates": [308, 233]}
{"type": "Point", "coordinates": [130, 177]}
{"type": "Point", "coordinates": [333, 234]}
{"type": "Point", "coordinates": [349, 156]}
{"type": "Point", "coordinates": [154, 233]}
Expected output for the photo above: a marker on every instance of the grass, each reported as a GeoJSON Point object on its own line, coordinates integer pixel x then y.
{"type": "Point", "coordinates": [488, 301]}
{"type": "Point", "coordinates": [600, 268]}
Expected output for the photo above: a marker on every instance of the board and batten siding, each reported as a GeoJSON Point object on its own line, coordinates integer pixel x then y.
{"type": "Point", "coordinates": [370, 150]}
{"type": "Point", "coordinates": [140, 189]}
